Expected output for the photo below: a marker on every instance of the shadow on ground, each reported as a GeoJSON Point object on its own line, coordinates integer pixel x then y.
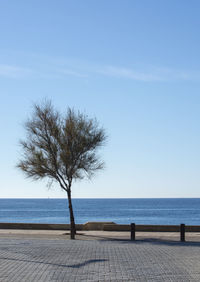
{"type": "Point", "coordinates": [78, 265]}
{"type": "Point", "coordinates": [155, 241]}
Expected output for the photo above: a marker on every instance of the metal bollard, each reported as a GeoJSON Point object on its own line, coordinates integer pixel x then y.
{"type": "Point", "coordinates": [132, 231]}
{"type": "Point", "coordinates": [182, 232]}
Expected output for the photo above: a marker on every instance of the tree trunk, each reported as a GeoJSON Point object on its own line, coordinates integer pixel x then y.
{"type": "Point", "coordinates": [72, 221]}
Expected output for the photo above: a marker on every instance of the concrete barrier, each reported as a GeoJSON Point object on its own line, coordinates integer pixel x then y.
{"type": "Point", "coordinates": [151, 228]}
{"type": "Point", "coordinates": [96, 225]}
{"type": "Point", "coordinates": [192, 228]}
{"type": "Point", "coordinates": [44, 226]}
{"type": "Point", "coordinates": [106, 226]}
{"type": "Point", "coordinates": [38, 226]}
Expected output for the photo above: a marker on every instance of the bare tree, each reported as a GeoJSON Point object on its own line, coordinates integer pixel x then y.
{"type": "Point", "coordinates": [62, 148]}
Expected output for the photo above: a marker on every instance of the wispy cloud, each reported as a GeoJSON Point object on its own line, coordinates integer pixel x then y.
{"type": "Point", "coordinates": [14, 71]}
{"type": "Point", "coordinates": [149, 74]}
{"type": "Point", "coordinates": [38, 66]}
{"type": "Point", "coordinates": [39, 70]}
{"type": "Point", "coordinates": [128, 73]}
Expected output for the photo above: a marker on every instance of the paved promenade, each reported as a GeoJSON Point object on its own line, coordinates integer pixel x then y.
{"type": "Point", "coordinates": [95, 257]}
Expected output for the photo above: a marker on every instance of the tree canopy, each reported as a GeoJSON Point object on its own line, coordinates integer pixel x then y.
{"type": "Point", "coordinates": [61, 148]}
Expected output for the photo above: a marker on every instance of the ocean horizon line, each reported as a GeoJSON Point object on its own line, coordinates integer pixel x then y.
{"type": "Point", "coordinates": [101, 198]}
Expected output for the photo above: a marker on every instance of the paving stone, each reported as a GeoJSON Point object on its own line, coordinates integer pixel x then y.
{"type": "Point", "coordinates": [35, 260]}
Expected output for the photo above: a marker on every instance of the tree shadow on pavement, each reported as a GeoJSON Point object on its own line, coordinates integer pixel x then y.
{"type": "Point", "coordinates": [78, 265]}
{"type": "Point", "coordinates": [154, 241]}
{"type": "Point", "coordinates": [102, 238]}
{"type": "Point", "coordinates": [167, 242]}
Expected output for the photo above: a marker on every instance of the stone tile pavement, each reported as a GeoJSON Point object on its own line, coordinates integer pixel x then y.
{"type": "Point", "coordinates": [27, 260]}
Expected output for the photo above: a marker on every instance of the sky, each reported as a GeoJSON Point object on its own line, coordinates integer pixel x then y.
{"type": "Point", "coordinates": [134, 65]}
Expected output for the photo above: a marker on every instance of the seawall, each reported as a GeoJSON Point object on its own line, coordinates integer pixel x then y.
{"type": "Point", "coordinates": [104, 226]}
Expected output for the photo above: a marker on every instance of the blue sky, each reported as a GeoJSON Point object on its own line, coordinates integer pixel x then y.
{"type": "Point", "coordinates": [134, 65]}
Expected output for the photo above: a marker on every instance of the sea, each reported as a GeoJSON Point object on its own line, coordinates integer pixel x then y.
{"type": "Point", "coordinates": [121, 211]}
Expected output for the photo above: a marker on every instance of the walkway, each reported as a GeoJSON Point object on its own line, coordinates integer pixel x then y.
{"type": "Point", "coordinates": [28, 259]}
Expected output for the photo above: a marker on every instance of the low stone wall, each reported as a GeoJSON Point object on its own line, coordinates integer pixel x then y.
{"type": "Point", "coordinates": [37, 226]}
{"type": "Point", "coordinates": [96, 225]}
{"type": "Point", "coordinates": [151, 228]}
{"type": "Point", "coordinates": [106, 226]}
{"type": "Point", "coordinates": [43, 226]}
{"type": "Point", "coordinates": [192, 228]}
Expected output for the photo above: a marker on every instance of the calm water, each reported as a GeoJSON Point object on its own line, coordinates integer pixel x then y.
{"type": "Point", "coordinates": [124, 211]}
